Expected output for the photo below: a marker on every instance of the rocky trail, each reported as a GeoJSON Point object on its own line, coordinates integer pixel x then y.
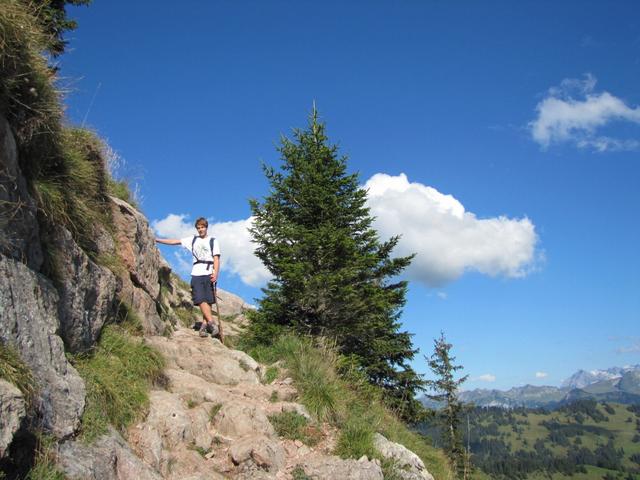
{"type": "Point", "coordinates": [212, 422]}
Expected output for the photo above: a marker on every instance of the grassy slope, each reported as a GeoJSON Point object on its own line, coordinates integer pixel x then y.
{"type": "Point", "coordinates": [616, 425]}
{"type": "Point", "coordinates": [346, 401]}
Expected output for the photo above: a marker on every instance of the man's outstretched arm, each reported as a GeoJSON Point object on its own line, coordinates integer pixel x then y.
{"type": "Point", "coordinates": [169, 241]}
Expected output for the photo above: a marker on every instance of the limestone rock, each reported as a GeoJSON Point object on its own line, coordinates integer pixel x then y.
{"type": "Point", "coordinates": [28, 321]}
{"type": "Point", "coordinates": [238, 420]}
{"type": "Point", "coordinates": [231, 305]}
{"type": "Point", "coordinates": [140, 285]}
{"type": "Point", "coordinates": [207, 358]}
{"type": "Point", "coordinates": [410, 467]}
{"type": "Point", "coordinates": [138, 247]}
{"type": "Point", "coordinates": [194, 388]}
{"type": "Point", "coordinates": [297, 408]}
{"type": "Point", "coordinates": [19, 232]}
{"type": "Point", "coordinates": [261, 450]}
{"type": "Point", "coordinates": [12, 411]}
{"type": "Point", "coordinates": [87, 293]}
{"type": "Point", "coordinates": [330, 468]}
{"type": "Point", "coordinates": [108, 458]}
{"type": "Point", "coordinates": [169, 418]}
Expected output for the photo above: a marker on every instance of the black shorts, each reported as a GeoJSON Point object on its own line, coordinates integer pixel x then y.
{"type": "Point", "coordinates": [201, 289]}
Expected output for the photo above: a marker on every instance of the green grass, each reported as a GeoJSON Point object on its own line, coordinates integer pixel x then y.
{"type": "Point", "coordinates": [344, 400]}
{"type": "Point", "coordinates": [118, 376]}
{"type": "Point", "coordinates": [44, 467]}
{"type": "Point", "coordinates": [270, 375]}
{"type": "Point", "coordinates": [201, 451]}
{"type": "Point", "coordinates": [214, 411]}
{"type": "Point", "coordinates": [16, 372]}
{"type": "Point", "coordinates": [294, 426]}
{"type": "Point", "coordinates": [185, 316]}
{"type": "Point", "coordinates": [298, 474]}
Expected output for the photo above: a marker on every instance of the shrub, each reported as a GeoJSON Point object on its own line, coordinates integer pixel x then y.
{"type": "Point", "coordinates": [294, 426]}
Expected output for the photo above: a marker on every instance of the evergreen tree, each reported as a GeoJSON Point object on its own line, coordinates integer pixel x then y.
{"type": "Point", "coordinates": [445, 388]}
{"type": "Point", "coordinates": [331, 272]}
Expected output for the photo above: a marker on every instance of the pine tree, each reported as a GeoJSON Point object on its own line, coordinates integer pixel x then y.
{"type": "Point", "coordinates": [331, 272]}
{"type": "Point", "coordinates": [446, 388]}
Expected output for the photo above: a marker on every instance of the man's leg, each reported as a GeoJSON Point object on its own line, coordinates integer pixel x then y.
{"type": "Point", "coordinates": [206, 311]}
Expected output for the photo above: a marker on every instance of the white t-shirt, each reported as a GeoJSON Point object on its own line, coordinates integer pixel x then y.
{"type": "Point", "coordinates": [202, 251]}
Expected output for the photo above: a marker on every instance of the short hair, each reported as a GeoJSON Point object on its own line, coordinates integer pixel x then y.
{"type": "Point", "coordinates": [202, 221]}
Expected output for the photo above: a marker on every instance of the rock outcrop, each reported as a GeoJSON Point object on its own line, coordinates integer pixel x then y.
{"type": "Point", "coordinates": [108, 458]}
{"type": "Point", "coordinates": [408, 465]}
{"type": "Point", "coordinates": [12, 411]}
{"type": "Point", "coordinates": [29, 322]}
{"type": "Point", "coordinates": [19, 232]}
{"type": "Point", "coordinates": [139, 282]}
{"type": "Point", "coordinates": [87, 293]}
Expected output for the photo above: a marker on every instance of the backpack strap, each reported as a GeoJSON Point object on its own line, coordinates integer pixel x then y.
{"type": "Point", "coordinates": [207, 262]}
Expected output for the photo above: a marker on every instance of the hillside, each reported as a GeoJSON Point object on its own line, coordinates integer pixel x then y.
{"type": "Point", "coordinates": [582, 440]}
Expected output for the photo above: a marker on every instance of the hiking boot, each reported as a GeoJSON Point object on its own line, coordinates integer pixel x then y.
{"type": "Point", "coordinates": [213, 329]}
{"type": "Point", "coordinates": [203, 330]}
{"type": "Point", "coordinates": [197, 326]}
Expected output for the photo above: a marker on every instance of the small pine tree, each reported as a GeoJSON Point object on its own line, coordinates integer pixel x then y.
{"type": "Point", "coordinates": [331, 273]}
{"type": "Point", "coordinates": [445, 388]}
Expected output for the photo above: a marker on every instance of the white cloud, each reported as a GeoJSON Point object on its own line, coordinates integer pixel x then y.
{"type": "Point", "coordinates": [442, 295]}
{"type": "Point", "coordinates": [235, 243]}
{"type": "Point", "coordinates": [633, 348]}
{"type": "Point", "coordinates": [448, 240]}
{"type": "Point", "coordinates": [487, 377]}
{"type": "Point", "coordinates": [542, 374]}
{"type": "Point", "coordinates": [573, 112]}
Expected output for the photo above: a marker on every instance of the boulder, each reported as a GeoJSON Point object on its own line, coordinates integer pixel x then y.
{"type": "Point", "coordinates": [87, 293]}
{"type": "Point", "coordinates": [238, 420]}
{"type": "Point", "coordinates": [29, 321]}
{"type": "Point", "coordinates": [231, 305]}
{"type": "Point", "coordinates": [19, 231]}
{"type": "Point", "coordinates": [169, 418]}
{"type": "Point", "coordinates": [12, 411]}
{"type": "Point", "coordinates": [108, 458]}
{"type": "Point", "coordinates": [330, 468]}
{"type": "Point", "coordinates": [259, 449]}
{"type": "Point", "coordinates": [408, 464]}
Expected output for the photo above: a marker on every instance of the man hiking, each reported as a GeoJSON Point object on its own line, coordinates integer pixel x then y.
{"type": "Point", "coordinates": [205, 252]}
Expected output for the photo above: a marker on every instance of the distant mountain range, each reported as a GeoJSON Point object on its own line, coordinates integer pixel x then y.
{"type": "Point", "coordinates": [617, 384]}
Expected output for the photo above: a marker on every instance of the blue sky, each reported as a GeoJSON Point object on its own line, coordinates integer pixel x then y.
{"type": "Point", "coordinates": [503, 143]}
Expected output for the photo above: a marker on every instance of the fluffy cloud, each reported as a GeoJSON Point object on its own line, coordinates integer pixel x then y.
{"type": "Point", "coordinates": [542, 374]}
{"type": "Point", "coordinates": [235, 243]}
{"type": "Point", "coordinates": [448, 240]}
{"type": "Point", "coordinates": [487, 377]}
{"type": "Point", "coordinates": [573, 112]}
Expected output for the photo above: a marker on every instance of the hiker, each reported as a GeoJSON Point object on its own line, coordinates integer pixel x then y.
{"type": "Point", "coordinates": [204, 273]}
